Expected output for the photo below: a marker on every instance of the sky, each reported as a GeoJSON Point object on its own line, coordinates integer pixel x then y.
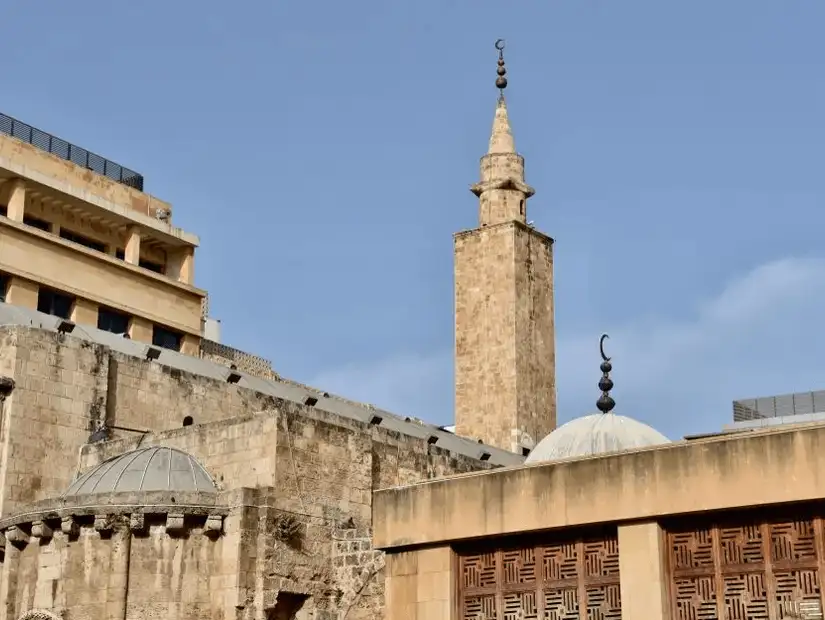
{"type": "Point", "coordinates": [323, 152]}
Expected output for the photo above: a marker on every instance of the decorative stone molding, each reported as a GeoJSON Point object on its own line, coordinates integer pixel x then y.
{"type": "Point", "coordinates": [175, 524]}
{"type": "Point", "coordinates": [17, 536]}
{"type": "Point", "coordinates": [137, 522]}
{"type": "Point", "coordinates": [103, 523]}
{"type": "Point", "coordinates": [39, 614]}
{"type": "Point", "coordinates": [40, 529]}
{"type": "Point", "coordinates": [214, 525]}
{"type": "Point", "coordinates": [69, 526]}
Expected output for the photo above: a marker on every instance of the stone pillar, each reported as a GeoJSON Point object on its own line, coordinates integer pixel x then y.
{"type": "Point", "coordinates": [181, 265]}
{"type": "Point", "coordinates": [132, 251]}
{"type": "Point", "coordinates": [420, 585]}
{"type": "Point", "coordinates": [191, 345]}
{"type": "Point", "coordinates": [117, 586]}
{"type": "Point", "coordinates": [84, 312]}
{"type": "Point", "coordinates": [643, 574]}
{"type": "Point", "coordinates": [13, 195]}
{"type": "Point", "coordinates": [22, 293]}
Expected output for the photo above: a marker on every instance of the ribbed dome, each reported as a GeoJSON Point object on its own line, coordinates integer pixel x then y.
{"type": "Point", "coordinates": [595, 434]}
{"type": "Point", "coordinates": [153, 468]}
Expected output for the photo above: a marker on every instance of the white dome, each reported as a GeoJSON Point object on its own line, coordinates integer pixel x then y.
{"type": "Point", "coordinates": [595, 434]}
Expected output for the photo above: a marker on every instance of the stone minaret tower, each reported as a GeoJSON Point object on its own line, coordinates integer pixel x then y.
{"type": "Point", "coordinates": [505, 360]}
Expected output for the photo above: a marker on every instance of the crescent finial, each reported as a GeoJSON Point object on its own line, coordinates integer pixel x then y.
{"type": "Point", "coordinates": [601, 347]}
{"type": "Point", "coordinates": [500, 44]}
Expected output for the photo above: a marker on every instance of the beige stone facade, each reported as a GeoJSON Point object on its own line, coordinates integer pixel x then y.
{"type": "Point", "coordinates": [79, 244]}
{"type": "Point", "coordinates": [505, 390]}
{"type": "Point", "coordinates": [726, 527]}
{"type": "Point", "coordinates": [289, 532]}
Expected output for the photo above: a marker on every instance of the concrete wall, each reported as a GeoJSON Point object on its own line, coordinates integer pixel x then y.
{"type": "Point", "coordinates": [45, 258]}
{"type": "Point", "coordinates": [638, 492]}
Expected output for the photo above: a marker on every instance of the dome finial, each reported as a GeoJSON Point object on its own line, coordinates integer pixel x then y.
{"type": "Point", "coordinates": [501, 81]}
{"type": "Point", "coordinates": [605, 402]}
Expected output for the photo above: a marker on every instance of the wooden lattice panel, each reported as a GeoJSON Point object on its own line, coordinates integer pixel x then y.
{"type": "Point", "coordinates": [570, 580]}
{"type": "Point", "coordinates": [767, 570]}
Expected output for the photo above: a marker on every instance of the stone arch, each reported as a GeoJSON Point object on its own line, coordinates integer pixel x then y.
{"type": "Point", "coordinates": [39, 614]}
{"type": "Point", "coordinates": [365, 576]}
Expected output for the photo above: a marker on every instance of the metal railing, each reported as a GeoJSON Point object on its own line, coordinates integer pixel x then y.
{"type": "Point", "coordinates": [779, 406]}
{"type": "Point", "coordinates": [65, 150]}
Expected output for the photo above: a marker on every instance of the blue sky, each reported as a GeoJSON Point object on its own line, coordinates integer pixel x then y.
{"type": "Point", "coordinates": [323, 152]}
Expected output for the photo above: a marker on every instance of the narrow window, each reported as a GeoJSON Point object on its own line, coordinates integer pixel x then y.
{"type": "Point", "coordinates": [54, 303]}
{"type": "Point", "coordinates": [521, 207]}
{"type": "Point", "coordinates": [4, 287]}
{"type": "Point", "coordinates": [82, 240]}
{"type": "Point", "coordinates": [166, 338]}
{"type": "Point", "coordinates": [36, 222]}
{"type": "Point", "coordinates": [112, 321]}
{"type": "Point", "coordinates": [4, 210]}
{"type": "Point", "coordinates": [120, 254]}
{"type": "Point", "coordinates": [150, 265]}
{"type": "Point", "coordinates": [187, 421]}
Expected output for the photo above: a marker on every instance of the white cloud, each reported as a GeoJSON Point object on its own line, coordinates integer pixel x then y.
{"type": "Point", "coordinates": [759, 336]}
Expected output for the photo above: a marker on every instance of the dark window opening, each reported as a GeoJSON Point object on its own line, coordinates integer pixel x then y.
{"type": "Point", "coordinates": [36, 222]}
{"type": "Point", "coordinates": [151, 266]}
{"type": "Point", "coordinates": [54, 303]}
{"type": "Point", "coordinates": [4, 210]}
{"type": "Point", "coordinates": [525, 451]}
{"type": "Point", "coordinates": [120, 254]}
{"type": "Point", "coordinates": [166, 338]}
{"type": "Point", "coordinates": [521, 207]}
{"type": "Point", "coordinates": [82, 240]}
{"type": "Point", "coordinates": [188, 421]}
{"type": "Point", "coordinates": [112, 321]}
{"type": "Point", "coordinates": [4, 287]}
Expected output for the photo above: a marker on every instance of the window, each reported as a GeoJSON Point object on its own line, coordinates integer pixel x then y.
{"type": "Point", "coordinates": [151, 266]}
{"type": "Point", "coordinates": [521, 207]}
{"type": "Point", "coordinates": [166, 338]}
{"type": "Point", "coordinates": [188, 421]}
{"type": "Point", "coordinates": [54, 303]}
{"type": "Point", "coordinates": [112, 321]}
{"type": "Point", "coordinates": [82, 240]}
{"type": "Point", "coordinates": [4, 287]}
{"type": "Point", "coordinates": [4, 210]}
{"type": "Point", "coordinates": [120, 254]}
{"type": "Point", "coordinates": [36, 222]}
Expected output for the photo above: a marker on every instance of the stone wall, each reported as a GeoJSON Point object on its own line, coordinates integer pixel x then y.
{"type": "Point", "coordinates": [311, 516]}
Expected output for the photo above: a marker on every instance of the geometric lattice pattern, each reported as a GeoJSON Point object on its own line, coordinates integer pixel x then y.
{"type": "Point", "coordinates": [766, 570]}
{"type": "Point", "coordinates": [572, 580]}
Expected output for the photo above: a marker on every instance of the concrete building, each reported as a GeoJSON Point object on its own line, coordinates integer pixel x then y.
{"type": "Point", "coordinates": [142, 479]}
{"type": "Point", "coordinates": [79, 239]}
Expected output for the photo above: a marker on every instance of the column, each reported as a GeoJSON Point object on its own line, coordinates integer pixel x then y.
{"type": "Point", "coordinates": [642, 570]}
{"type": "Point", "coordinates": [13, 195]}
{"type": "Point", "coordinates": [22, 293]}
{"type": "Point", "coordinates": [191, 345]}
{"type": "Point", "coordinates": [84, 312]}
{"type": "Point", "coordinates": [181, 265]}
{"type": "Point", "coordinates": [419, 585]}
{"type": "Point", "coordinates": [140, 330]}
{"type": "Point", "coordinates": [132, 251]}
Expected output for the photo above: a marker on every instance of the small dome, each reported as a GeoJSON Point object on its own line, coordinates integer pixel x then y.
{"type": "Point", "coordinates": [595, 434]}
{"type": "Point", "coordinates": [153, 468]}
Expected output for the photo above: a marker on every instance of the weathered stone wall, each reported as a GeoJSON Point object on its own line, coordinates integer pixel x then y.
{"type": "Point", "coordinates": [505, 352]}
{"type": "Point", "coordinates": [310, 516]}
{"type": "Point", "coordinates": [92, 564]}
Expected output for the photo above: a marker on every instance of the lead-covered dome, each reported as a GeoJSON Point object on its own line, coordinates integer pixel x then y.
{"type": "Point", "coordinates": [153, 468]}
{"type": "Point", "coordinates": [595, 434]}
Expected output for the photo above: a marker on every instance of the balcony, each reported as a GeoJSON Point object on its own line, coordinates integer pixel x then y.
{"type": "Point", "coordinates": [65, 150]}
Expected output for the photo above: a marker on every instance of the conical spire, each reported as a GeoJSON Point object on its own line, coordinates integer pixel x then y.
{"type": "Point", "coordinates": [501, 140]}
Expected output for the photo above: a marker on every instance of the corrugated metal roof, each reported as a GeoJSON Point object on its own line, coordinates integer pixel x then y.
{"type": "Point", "coordinates": [14, 315]}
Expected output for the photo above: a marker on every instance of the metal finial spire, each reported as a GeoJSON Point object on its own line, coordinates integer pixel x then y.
{"type": "Point", "coordinates": [501, 81]}
{"type": "Point", "coordinates": [605, 402]}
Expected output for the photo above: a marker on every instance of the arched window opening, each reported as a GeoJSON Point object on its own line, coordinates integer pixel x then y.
{"type": "Point", "coordinates": [188, 421]}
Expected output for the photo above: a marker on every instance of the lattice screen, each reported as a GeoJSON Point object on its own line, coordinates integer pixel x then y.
{"type": "Point", "coordinates": [570, 580]}
{"type": "Point", "coordinates": [755, 571]}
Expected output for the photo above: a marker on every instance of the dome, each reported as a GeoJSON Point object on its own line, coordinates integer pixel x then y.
{"type": "Point", "coordinates": [595, 434]}
{"type": "Point", "coordinates": [153, 468]}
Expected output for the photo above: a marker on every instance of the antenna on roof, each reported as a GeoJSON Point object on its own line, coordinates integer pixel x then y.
{"type": "Point", "coordinates": [605, 402]}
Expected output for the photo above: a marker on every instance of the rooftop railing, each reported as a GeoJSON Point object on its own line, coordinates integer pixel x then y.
{"type": "Point", "coordinates": [65, 150]}
{"type": "Point", "coordinates": [779, 406]}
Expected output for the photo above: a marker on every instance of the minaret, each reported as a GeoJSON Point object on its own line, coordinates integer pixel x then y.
{"type": "Point", "coordinates": [505, 361]}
